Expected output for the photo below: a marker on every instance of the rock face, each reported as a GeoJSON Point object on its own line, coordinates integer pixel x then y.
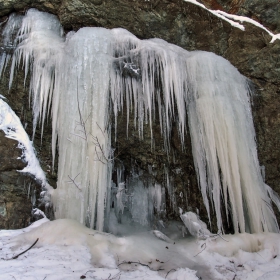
{"type": "Point", "coordinates": [16, 189]}
{"type": "Point", "coordinates": [192, 28]}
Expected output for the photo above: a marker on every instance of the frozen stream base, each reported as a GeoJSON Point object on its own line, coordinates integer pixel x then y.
{"type": "Point", "coordinates": [68, 250]}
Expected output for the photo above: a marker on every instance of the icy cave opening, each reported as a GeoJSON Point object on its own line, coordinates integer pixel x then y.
{"type": "Point", "coordinates": [84, 76]}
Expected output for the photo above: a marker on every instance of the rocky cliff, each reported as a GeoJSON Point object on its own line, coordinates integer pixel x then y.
{"type": "Point", "coordinates": [193, 28]}
{"type": "Point", "coordinates": [266, 12]}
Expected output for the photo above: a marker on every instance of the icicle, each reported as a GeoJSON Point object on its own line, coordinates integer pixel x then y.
{"type": "Point", "coordinates": [34, 50]}
{"type": "Point", "coordinates": [79, 75]}
{"type": "Point", "coordinates": [217, 99]}
{"type": "Point", "coordinates": [83, 127]}
{"type": "Point", "coordinates": [262, 167]}
{"type": "Point", "coordinates": [223, 143]}
{"type": "Point", "coordinates": [170, 188]}
{"type": "Point", "coordinates": [158, 197]}
{"type": "Point", "coordinates": [73, 75]}
{"type": "Point", "coordinates": [120, 197]}
{"type": "Point", "coordinates": [160, 80]}
{"type": "Point", "coordinates": [8, 41]}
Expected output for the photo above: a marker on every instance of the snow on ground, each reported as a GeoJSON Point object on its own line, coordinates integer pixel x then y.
{"type": "Point", "coordinates": [233, 20]}
{"type": "Point", "coordinates": [68, 250]}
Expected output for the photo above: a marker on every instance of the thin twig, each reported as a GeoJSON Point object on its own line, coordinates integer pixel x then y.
{"type": "Point", "coordinates": [83, 124]}
{"type": "Point", "coordinates": [170, 271]}
{"type": "Point", "coordinates": [72, 181]}
{"type": "Point", "coordinates": [16, 256]}
{"type": "Point", "coordinates": [230, 269]}
{"type": "Point", "coordinates": [89, 271]}
{"type": "Point", "coordinates": [99, 159]}
{"type": "Point", "coordinates": [82, 133]}
{"type": "Point", "coordinates": [204, 244]}
{"type": "Point", "coordinates": [219, 234]}
{"type": "Point", "coordinates": [143, 264]}
{"type": "Point", "coordinates": [75, 134]}
{"type": "Point", "coordinates": [116, 155]}
{"type": "Point", "coordinates": [97, 144]}
{"type": "Point", "coordinates": [0, 25]}
{"type": "Point", "coordinates": [100, 128]}
{"type": "Point", "coordinates": [115, 276]}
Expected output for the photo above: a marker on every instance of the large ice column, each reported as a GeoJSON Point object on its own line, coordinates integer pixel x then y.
{"type": "Point", "coordinates": [83, 132]}
{"type": "Point", "coordinates": [71, 76]}
{"type": "Point", "coordinates": [223, 144]}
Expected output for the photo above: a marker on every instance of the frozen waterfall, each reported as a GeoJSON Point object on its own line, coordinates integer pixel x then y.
{"type": "Point", "coordinates": [84, 76]}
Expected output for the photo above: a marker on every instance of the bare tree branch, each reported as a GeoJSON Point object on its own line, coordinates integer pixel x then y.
{"type": "Point", "coordinates": [75, 134]}
{"type": "Point", "coordinates": [72, 181]}
{"type": "Point", "coordinates": [143, 264]}
{"type": "Point", "coordinates": [204, 247]}
{"type": "Point", "coordinates": [100, 129]}
{"type": "Point", "coordinates": [170, 271]}
{"type": "Point", "coordinates": [16, 256]}
{"type": "Point", "coordinates": [218, 235]}
{"type": "Point", "coordinates": [81, 132]}
{"type": "Point", "coordinates": [82, 122]}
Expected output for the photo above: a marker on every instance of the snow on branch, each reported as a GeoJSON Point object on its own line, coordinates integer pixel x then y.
{"type": "Point", "coordinates": [234, 20]}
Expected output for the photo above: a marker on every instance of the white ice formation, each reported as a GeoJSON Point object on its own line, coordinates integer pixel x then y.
{"type": "Point", "coordinates": [8, 38]}
{"type": "Point", "coordinates": [195, 226]}
{"type": "Point", "coordinates": [142, 202]}
{"type": "Point", "coordinates": [84, 75]}
{"type": "Point", "coordinates": [13, 129]}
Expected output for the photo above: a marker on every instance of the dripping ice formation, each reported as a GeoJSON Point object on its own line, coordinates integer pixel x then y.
{"type": "Point", "coordinates": [69, 76]}
{"type": "Point", "coordinates": [80, 78]}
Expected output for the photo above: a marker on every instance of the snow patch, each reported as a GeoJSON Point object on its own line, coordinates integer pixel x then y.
{"type": "Point", "coordinates": [68, 250]}
{"type": "Point", "coordinates": [13, 129]}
